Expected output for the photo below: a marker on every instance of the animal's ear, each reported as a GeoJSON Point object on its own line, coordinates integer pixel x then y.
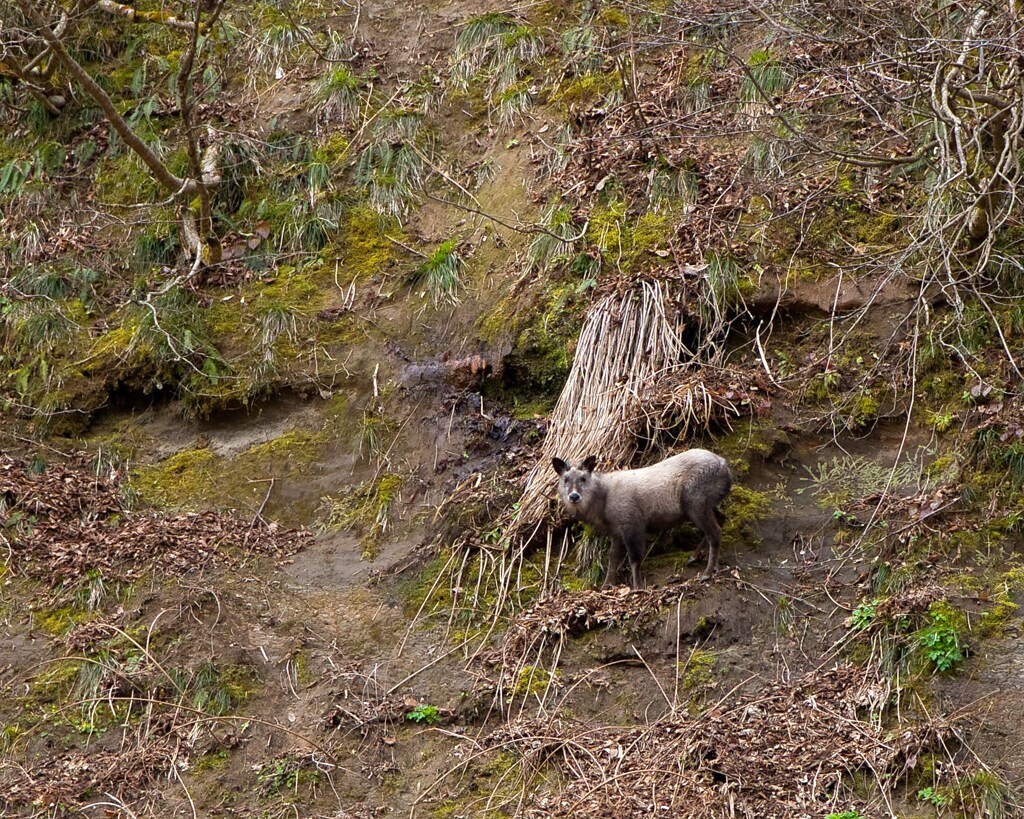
{"type": "Point", "coordinates": [589, 463]}
{"type": "Point", "coordinates": [559, 465]}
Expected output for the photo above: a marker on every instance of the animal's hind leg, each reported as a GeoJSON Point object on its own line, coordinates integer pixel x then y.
{"type": "Point", "coordinates": [710, 523]}
{"type": "Point", "coordinates": [614, 562]}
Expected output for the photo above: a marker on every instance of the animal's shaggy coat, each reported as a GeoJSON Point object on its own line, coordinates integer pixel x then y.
{"type": "Point", "coordinates": [627, 504]}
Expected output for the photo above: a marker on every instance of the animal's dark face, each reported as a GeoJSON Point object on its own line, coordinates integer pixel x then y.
{"type": "Point", "coordinates": [574, 482]}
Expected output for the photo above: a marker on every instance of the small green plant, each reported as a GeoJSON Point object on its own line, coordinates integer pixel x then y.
{"type": "Point", "coordinates": [846, 814]}
{"type": "Point", "coordinates": [496, 50]}
{"type": "Point", "coordinates": [376, 433]}
{"type": "Point", "coordinates": [941, 421]}
{"type": "Point", "coordinates": [367, 509]}
{"type": "Point", "coordinates": [533, 680]}
{"type": "Point", "coordinates": [863, 616]}
{"type": "Point", "coordinates": [941, 639]}
{"type": "Point", "coordinates": [557, 242]}
{"type": "Point", "coordinates": [724, 289]}
{"type": "Point", "coordinates": [13, 175]}
{"type": "Point", "coordinates": [285, 774]}
{"type": "Point", "coordinates": [765, 78]}
{"type": "Point", "coordinates": [932, 797]}
{"type": "Point", "coordinates": [428, 714]}
{"type": "Point", "coordinates": [984, 793]}
{"type": "Point", "coordinates": [441, 273]}
{"type": "Point", "coordinates": [337, 94]}
{"type": "Point", "coordinates": [280, 37]}
{"type": "Point", "coordinates": [391, 167]}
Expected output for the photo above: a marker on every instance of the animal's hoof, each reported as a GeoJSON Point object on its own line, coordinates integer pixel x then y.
{"type": "Point", "coordinates": [704, 577]}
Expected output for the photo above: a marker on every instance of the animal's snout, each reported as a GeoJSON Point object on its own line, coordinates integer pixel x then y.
{"type": "Point", "coordinates": [575, 497]}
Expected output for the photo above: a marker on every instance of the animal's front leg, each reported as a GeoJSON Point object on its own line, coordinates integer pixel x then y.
{"type": "Point", "coordinates": [635, 547]}
{"type": "Point", "coordinates": [614, 562]}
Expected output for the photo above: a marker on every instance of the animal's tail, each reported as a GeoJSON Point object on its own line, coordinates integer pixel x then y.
{"type": "Point", "coordinates": [719, 516]}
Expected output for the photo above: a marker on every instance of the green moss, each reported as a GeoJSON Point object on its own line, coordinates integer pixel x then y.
{"type": "Point", "coordinates": [334, 152]}
{"type": "Point", "coordinates": [698, 673]}
{"type": "Point", "coordinates": [587, 91]}
{"type": "Point", "coordinates": [500, 323]}
{"type": "Point", "coordinates": [612, 17]}
{"type": "Point", "coordinates": [994, 621]}
{"type": "Point", "coordinates": [291, 290]}
{"type": "Point", "coordinates": [212, 761]}
{"type": "Point", "coordinates": [752, 439]}
{"type": "Point", "coordinates": [224, 318]}
{"type": "Point", "coordinates": [55, 682]}
{"type": "Point", "coordinates": [239, 682]}
{"type": "Point", "coordinates": [863, 411]}
{"type": "Point", "coordinates": [183, 480]}
{"type": "Point", "coordinates": [744, 509]}
{"type": "Point", "coordinates": [366, 509]}
{"type": "Point", "coordinates": [873, 230]}
{"type": "Point", "coordinates": [216, 689]}
{"type": "Point", "coordinates": [303, 672]}
{"type": "Point", "coordinates": [652, 231]}
{"type": "Point", "coordinates": [542, 350]}
{"type": "Point", "coordinates": [607, 227]}
{"type": "Point", "coordinates": [628, 242]}
{"type": "Point", "coordinates": [431, 594]}
{"type": "Point", "coordinates": [364, 250]}
{"type": "Point", "coordinates": [533, 680]}
{"type": "Point", "coordinates": [119, 349]}
{"type": "Point", "coordinates": [288, 453]}
{"type": "Point", "coordinates": [201, 479]}
{"type": "Point", "coordinates": [423, 592]}
{"type": "Point", "coordinates": [58, 622]}
{"type": "Point", "coordinates": [124, 180]}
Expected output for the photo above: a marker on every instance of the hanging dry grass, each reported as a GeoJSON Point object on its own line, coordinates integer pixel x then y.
{"type": "Point", "coordinates": [631, 339]}
{"type": "Point", "coordinates": [632, 376]}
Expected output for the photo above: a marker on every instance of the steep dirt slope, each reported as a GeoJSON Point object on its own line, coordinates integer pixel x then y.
{"type": "Point", "coordinates": [280, 537]}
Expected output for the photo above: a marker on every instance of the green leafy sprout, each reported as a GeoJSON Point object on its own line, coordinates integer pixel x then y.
{"type": "Point", "coordinates": [429, 714]}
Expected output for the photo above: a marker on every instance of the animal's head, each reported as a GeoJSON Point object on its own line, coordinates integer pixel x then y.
{"type": "Point", "coordinates": [575, 482]}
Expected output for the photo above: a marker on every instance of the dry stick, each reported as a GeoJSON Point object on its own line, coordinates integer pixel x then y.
{"type": "Point", "coordinates": [177, 775]}
{"type": "Point", "coordinates": [532, 229]}
{"type": "Point", "coordinates": [203, 717]}
{"type": "Point", "coordinates": [431, 664]}
{"type": "Point", "coordinates": [405, 246]}
{"type": "Point", "coordinates": [259, 512]}
{"type": "Point", "coordinates": [434, 586]}
{"type": "Point", "coordinates": [117, 805]}
{"type": "Point", "coordinates": [654, 676]}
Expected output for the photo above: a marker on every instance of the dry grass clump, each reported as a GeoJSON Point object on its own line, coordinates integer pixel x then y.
{"type": "Point", "coordinates": [789, 751]}
{"type": "Point", "coordinates": [536, 635]}
{"type": "Point", "coordinates": [67, 521]}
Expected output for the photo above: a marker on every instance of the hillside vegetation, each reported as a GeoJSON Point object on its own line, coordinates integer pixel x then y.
{"type": "Point", "coordinates": [299, 299]}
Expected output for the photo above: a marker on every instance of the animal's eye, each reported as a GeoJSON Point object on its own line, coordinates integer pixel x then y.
{"type": "Point", "coordinates": [583, 481]}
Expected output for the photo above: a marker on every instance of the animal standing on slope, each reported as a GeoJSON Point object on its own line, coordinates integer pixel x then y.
{"type": "Point", "coordinates": [627, 504]}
